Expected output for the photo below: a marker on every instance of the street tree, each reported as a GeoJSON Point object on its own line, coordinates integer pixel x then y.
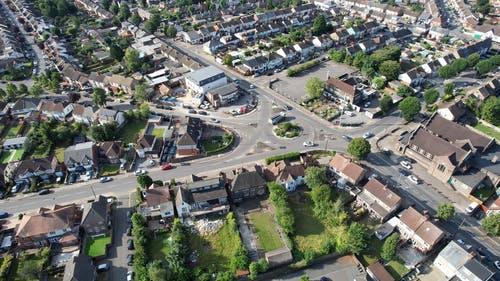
{"type": "Point", "coordinates": [446, 211]}
{"type": "Point", "coordinates": [490, 111]}
{"type": "Point", "coordinates": [390, 69]}
{"type": "Point", "coordinates": [228, 60]}
{"type": "Point", "coordinates": [484, 67]}
{"type": "Point", "coordinates": [170, 31]}
{"type": "Point", "coordinates": [144, 181]}
{"type": "Point", "coordinates": [379, 83]}
{"type": "Point", "coordinates": [315, 176]}
{"type": "Point", "coordinates": [23, 89]}
{"type": "Point", "coordinates": [152, 24]}
{"type": "Point", "coordinates": [473, 59]}
{"type": "Point", "coordinates": [36, 90]}
{"type": "Point", "coordinates": [404, 91]}
{"type": "Point", "coordinates": [359, 148]}
{"type": "Point", "coordinates": [449, 88]}
{"type": "Point", "coordinates": [389, 247]}
{"type": "Point", "coordinates": [410, 107]}
{"type": "Point", "coordinates": [99, 97]}
{"type": "Point", "coordinates": [446, 72]}
{"type": "Point", "coordinates": [144, 110]}
{"type": "Point", "coordinates": [386, 104]}
{"type": "Point", "coordinates": [314, 87]}
{"type": "Point", "coordinates": [431, 96]}
{"type": "Point", "coordinates": [492, 224]}
{"type": "Point", "coordinates": [140, 93]}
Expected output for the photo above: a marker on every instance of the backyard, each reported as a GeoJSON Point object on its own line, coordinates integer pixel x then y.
{"type": "Point", "coordinates": [97, 246]}
{"type": "Point", "coordinates": [396, 267]}
{"type": "Point", "coordinates": [158, 246]}
{"type": "Point", "coordinates": [11, 155]}
{"type": "Point", "coordinates": [12, 132]}
{"type": "Point", "coordinates": [489, 131]}
{"type": "Point", "coordinates": [59, 152]}
{"type": "Point", "coordinates": [131, 131]}
{"type": "Point", "coordinates": [265, 228]}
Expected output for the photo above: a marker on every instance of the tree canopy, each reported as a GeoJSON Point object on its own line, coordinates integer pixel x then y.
{"type": "Point", "coordinates": [314, 87]}
{"type": "Point", "coordinates": [410, 107]}
{"type": "Point", "coordinates": [431, 96]}
{"type": "Point", "coordinates": [99, 97]}
{"type": "Point", "coordinates": [446, 211]}
{"type": "Point", "coordinates": [359, 148]}
{"type": "Point", "coordinates": [132, 60]}
{"type": "Point", "coordinates": [315, 176]}
{"type": "Point", "coordinates": [390, 69]}
{"type": "Point", "coordinates": [492, 224]}
{"type": "Point", "coordinates": [490, 111]}
{"type": "Point", "coordinates": [389, 247]}
{"type": "Point", "coordinates": [386, 104]}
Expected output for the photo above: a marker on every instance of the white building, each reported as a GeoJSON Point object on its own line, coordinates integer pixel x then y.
{"type": "Point", "coordinates": [205, 79]}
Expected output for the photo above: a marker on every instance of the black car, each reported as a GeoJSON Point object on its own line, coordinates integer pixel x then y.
{"type": "Point", "coordinates": [129, 231]}
{"type": "Point", "coordinates": [167, 107]}
{"type": "Point", "coordinates": [129, 215]}
{"type": "Point", "coordinates": [130, 259]}
{"type": "Point", "coordinates": [44, 192]}
{"type": "Point", "coordinates": [159, 106]}
{"type": "Point", "coordinates": [202, 113]}
{"type": "Point", "coordinates": [3, 215]}
{"type": "Point", "coordinates": [130, 244]}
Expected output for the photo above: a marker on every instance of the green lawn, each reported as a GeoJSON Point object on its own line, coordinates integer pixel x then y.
{"type": "Point", "coordinates": [97, 246]}
{"type": "Point", "coordinates": [18, 265]}
{"type": "Point", "coordinates": [131, 131]}
{"type": "Point", "coordinates": [489, 131]}
{"type": "Point", "coordinates": [59, 152]}
{"type": "Point", "coordinates": [396, 267]}
{"type": "Point", "coordinates": [110, 169]}
{"type": "Point", "coordinates": [158, 246]}
{"type": "Point", "coordinates": [212, 145]}
{"type": "Point", "coordinates": [158, 132]}
{"type": "Point", "coordinates": [215, 250]}
{"type": "Point", "coordinates": [5, 156]}
{"type": "Point", "coordinates": [12, 132]}
{"type": "Point", "coordinates": [265, 228]}
{"type": "Point", "coordinates": [309, 231]}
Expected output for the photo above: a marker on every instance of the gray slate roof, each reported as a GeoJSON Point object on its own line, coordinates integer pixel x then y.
{"type": "Point", "coordinates": [247, 180]}
{"type": "Point", "coordinates": [79, 153]}
{"type": "Point", "coordinates": [80, 268]}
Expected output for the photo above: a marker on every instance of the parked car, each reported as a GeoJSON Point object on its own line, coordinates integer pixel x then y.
{"type": "Point", "coordinates": [347, 138]}
{"type": "Point", "coordinates": [368, 135]}
{"type": "Point", "coordinates": [167, 166]}
{"type": "Point", "coordinates": [192, 111]}
{"type": "Point", "coordinates": [3, 215]}
{"type": "Point", "coordinates": [413, 179]}
{"type": "Point", "coordinates": [140, 172]}
{"type": "Point", "coordinates": [215, 120]}
{"type": "Point", "coordinates": [129, 231]}
{"type": "Point", "coordinates": [308, 144]}
{"type": "Point", "coordinates": [44, 191]}
{"type": "Point", "coordinates": [348, 113]}
{"type": "Point", "coordinates": [405, 164]}
{"type": "Point", "coordinates": [130, 259]}
{"type": "Point", "coordinates": [105, 179]}
{"type": "Point", "coordinates": [130, 276]}
{"type": "Point", "coordinates": [130, 244]}
{"type": "Point", "coordinates": [151, 163]}
{"type": "Point", "coordinates": [287, 107]}
{"type": "Point", "coordinates": [202, 113]}
{"type": "Point", "coordinates": [103, 267]}
{"type": "Point", "coordinates": [252, 86]}
{"type": "Point", "coordinates": [497, 264]}
{"type": "Point", "coordinates": [471, 208]}
{"type": "Point", "coordinates": [403, 172]}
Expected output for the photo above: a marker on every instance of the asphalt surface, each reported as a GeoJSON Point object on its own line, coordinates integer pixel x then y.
{"type": "Point", "coordinates": [118, 252]}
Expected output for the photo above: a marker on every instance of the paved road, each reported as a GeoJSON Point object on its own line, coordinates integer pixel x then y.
{"type": "Point", "coordinates": [118, 252]}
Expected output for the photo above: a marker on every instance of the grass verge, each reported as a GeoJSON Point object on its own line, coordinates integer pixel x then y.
{"type": "Point", "coordinates": [489, 131]}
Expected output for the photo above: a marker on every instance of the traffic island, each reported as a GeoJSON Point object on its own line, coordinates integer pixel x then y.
{"type": "Point", "coordinates": [287, 130]}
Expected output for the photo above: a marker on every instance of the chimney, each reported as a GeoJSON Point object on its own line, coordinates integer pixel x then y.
{"type": "Point", "coordinates": [494, 159]}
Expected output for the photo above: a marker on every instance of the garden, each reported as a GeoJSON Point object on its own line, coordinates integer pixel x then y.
{"type": "Point", "coordinates": [30, 267]}
{"type": "Point", "coordinates": [158, 246]}
{"type": "Point", "coordinates": [97, 246]}
{"type": "Point", "coordinates": [110, 169]}
{"type": "Point", "coordinates": [217, 143]}
{"type": "Point", "coordinates": [132, 130]}
{"type": "Point", "coordinates": [265, 227]}
{"type": "Point", "coordinates": [7, 156]}
{"type": "Point", "coordinates": [322, 107]}
{"type": "Point", "coordinates": [287, 130]}
{"type": "Point", "coordinates": [395, 267]}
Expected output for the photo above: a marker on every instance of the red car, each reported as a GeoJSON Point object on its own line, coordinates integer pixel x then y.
{"type": "Point", "coordinates": [166, 167]}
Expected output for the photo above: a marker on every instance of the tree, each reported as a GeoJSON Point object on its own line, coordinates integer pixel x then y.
{"type": "Point", "coordinates": [410, 107]}
{"type": "Point", "coordinates": [144, 110]}
{"type": "Point", "coordinates": [99, 97]}
{"type": "Point", "coordinates": [431, 96]}
{"type": "Point", "coordinates": [123, 12]}
{"type": "Point", "coordinates": [29, 270]}
{"type": "Point", "coordinates": [269, 5]}
{"type": "Point", "coordinates": [73, 97]}
{"type": "Point", "coordinates": [156, 271]}
{"type": "Point", "coordinates": [492, 224]}
{"type": "Point", "coordinates": [359, 59]}
{"type": "Point", "coordinates": [483, 7]}
{"type": "Point", "coordinates": [170, 31]}
{"type": "Point", "coordinates": [379, 83]}
{"type": "Point", "coordinates": [446, 211]}
{"type": "Point", "coordinates": [357, 237]}
{"type": "Point", "coordinates": [359, 148]}
{"type": "Point", "coordinates": [473, 59]}
{"type": "Point", "coordinates": [321, 196]}
{"type": "Point", "coordinates": [446, 72]}
{"type": "Point", "coordinates": [135, 19]}
{"type": "Point", "coordinates": [459, 65]}
{"type": "Point", "coordinates": [484, 67]}
{"type": "Point", "coordinates": [36, 90]}
{"type": "Point", "coordinates": [228, 60]}
{"type": "Point", "coordinates": [404, 91]}
{"type": "Point", "coordinates": [152, 24]}
{"type": "Point", "coordinates": [132, 60]}
{"type": "Point", "coordinates": [449, 88]}
{"type": "Point", "coordinates": [389, 247]}
{"type": "Point", "coordinates": [144, 181]}
{"type": "Point", "coordinates": [304, 278]}
{"type": "Point", "coordinates": [140, 93]}
{"type": "Point", "coordinates": [390, 69]}
{"type": "Point", "coordinates": [23, 89]}
{"type": "Point", "coordinates": [338, 56]}
{"type": "Point", "coordinates": [116, 52]}
{"type": "Point", "coordinates": [315, 176]}
{"type": "Point", "coordinates": [386, 104]}
{"type": "Point", "coordinates": [490, 111]}
{"type": "Point", "coordinates": [254, 270]}
{"type": "Point", "coordinates": [314, 87]}
{"type": "Point", "coordinates": [11, 90]}
{"type": "Point", "coordinates": [319, 25]}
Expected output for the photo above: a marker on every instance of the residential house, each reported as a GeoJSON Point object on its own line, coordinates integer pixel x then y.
{"type": "Point", "coordinates": [352, 50]}
{"type": "Point", "coordinates": [14, 143]}
{"type": "Point", "coordinates": [284, 173]}
{"type": "Point", "coordinates": [344, 90]}
{"type": "Point", "coordinates": [81, 158]}
{"type": "Point", "coordinates": [340, 36]}
{"type": "Point", "coordinates": [322, 42]}
{"type": "Point", "coordinates": [488, 163]}
{"type": "Point", "coordinates": [451, 258]}
{"type": "Point", "coordinates": [247, 184]}
{"type": "Point", "coordinates": [24, 105]}
{"type": "Point", "coordinates": [273, 61]}
{"type": "Point", "coordinates": [47, 169]}
{"type": "Point", "coordinates": [305, 49]}
{"type": "Point", "coordinates": [110, 152]}
{"type": "Point", "coordinates": [487, 89]}
{"type": "Point", "coordinates": [104, 116]}
{"type": "Point", "coordinates": [303, 10]}
{"type": "Point", "coordinates": [200, 198]}
{"type": "Point", "coordinates": [59, 225]}
{"type": "Point", "coordinates": [121, 83]}
{"type": "Point", "coordinates": [157, 203]}
{"type": "Point", "coordinates": [212, 46]}
{"type": "Point", "coordinates": [417, 228]}
{"type": "Point", "coordinates": [452, 111]}
{"type": "Point", "coordinates": [480, 47]}
{"type": "Point", "coordinates": [378, 272]}
{"type": "Point", "coordinates": [96, 80]}
{"type": "Point", "coordinates": [192, 37]}
{"type": "Point", "coordinates": [205, 79]}
{"type": "Point", "coordinates": [380, 201]}
{"type": "Point", "coordinates": [356, 31]}
{"type": "Point", "coordinates": [189, 134]}
{"type": "Point", "coordinates": [347, 169]}
{"type": "Point", "coordinates": [469, 181]}
{"type": "Point", "coordinates": [257, 64]}
{"type": "Point", "coordinates": [55, 110]}
{"type": "Point", "coordinates": [368, 46]}
{"type": "Point", "coordinates": [82, 114]}
{"type": "Point", "coordinates": [402, 34]}
{"type": "Point", "coordinates": [413, 77]}
{"type": "Point", "coordinates": [287, 53]}
{"type": "Point", "coordinates": [96, 218]}
{"type": "Point", "coordinates": [73, 77]}
{"type": "Point", "coordinates": [224, 95]}
{"type": "Point", "coordinates": [474, 270]}
{"type": "Point", "coordinates": [149, 146]}
{"type": "Point", "coordinates": [494, 208]}
{"type": "Point", "coordinates": [80, 268]}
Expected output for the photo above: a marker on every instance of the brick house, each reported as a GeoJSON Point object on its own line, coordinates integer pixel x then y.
{"type": "Point", "coordinates": [417, 228]}
{"type": "Point", "coordinates": [347, 169]}
{"type": "Point", "coordinates": [95, 218]}
{"type": "Point", "coordinates": [378, 199]}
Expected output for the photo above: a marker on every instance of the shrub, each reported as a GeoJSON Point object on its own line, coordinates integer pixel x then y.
{"type": "Point", "coordinates": [284, 215]}
{"type": "Point", "coordinates": [296, 70]}
{"type": "Point", "coordinates": [291, 156]}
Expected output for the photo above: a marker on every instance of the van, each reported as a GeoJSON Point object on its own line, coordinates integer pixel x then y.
{"type": "Point", "coordinates": [471, 208]}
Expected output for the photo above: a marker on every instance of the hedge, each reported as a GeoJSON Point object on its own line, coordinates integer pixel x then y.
{"type": "Point", "coordinates": [292, 156]}
{"type": "Point", "coordinates": [283, 213]}
{"type": "Point", "coordinates": [296, 70]}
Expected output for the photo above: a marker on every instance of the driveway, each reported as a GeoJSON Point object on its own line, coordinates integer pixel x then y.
{"type": "Point", "coordinates": [118, 252]}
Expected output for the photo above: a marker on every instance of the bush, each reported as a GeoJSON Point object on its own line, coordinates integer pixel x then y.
{"type": "Point", "coordinates": [5, 267]}
{"type": "Point", "coordinates": [291, 156]}
{"type": "Point", "coordinates": [284, 215]}
{"type": "Point", "coordinates": [296, 70]}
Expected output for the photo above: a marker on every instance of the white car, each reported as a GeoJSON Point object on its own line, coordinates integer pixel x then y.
{"type": "Point", "coordinates": [252, 86]}
{"type": "Point", "coordinates": [151, 163]}
{"type": "Point", "coordinates": [105, 179]}
{"type": "Point", "coordinates": [413, 179]}
{"type": "Point", "coordinates": [497, 264]}
{"type": "Point", "coordinates": [308, 144]}
{"type": "Point", "coordinates": [140, 172]}
{"type": "Point", "coordinates": [373, 176]}
{"type": "Point", "coordinates": [368, 135]}
{"type": "Point", "coordinates": [405, 164]}
{"type": "Point", "coordinates": [130, 276]}
{"type": "Point", "coordinates": [348, 113]}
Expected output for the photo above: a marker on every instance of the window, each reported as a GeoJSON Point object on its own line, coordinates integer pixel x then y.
{"type": "Point", "coordinates": [441, 168]}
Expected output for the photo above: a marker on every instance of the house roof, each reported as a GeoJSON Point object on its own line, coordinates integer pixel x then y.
{"type": "Point", "coordinates": [202, 75]}
{"type": "Point", "coordinates": [204, 183]}
{"type": "Point", "coordinates": [110, 148]}
{"type": "Point", "coordinates": [246, 180]}
{"type": "Point", "coordinates": [15, 141]}
{"type": "Point", "coordinates": [51, 106]}
{"type": "Point", "coordinates": [33, 165]}
{"type": "Point", "coordinates": [429, 232]}
{"type": "Point", "coordinates": [79, 153]}
{"type": "Point", "coordinates": [225, 90]}
{"type": "Point", "coordinates": [97, 209]}
{"type": "Point", "coordinates": [193, 128]}
{"type": "Point", "coordinates": [108, 113]}
{"type": "Point", "coordinates": [454, 132]}
{"type": "Point", "coordinates": [157, 195]}
{"type": "Point", "coordinates": [457, 109]}
{"type": "Point", "coordinates": [454, 254]}
{"type": "Point", "coordinates": [382, 193]}
{"type": "Point", "coordinates": [348, 168]}
{"type": "Point", "coordinates": [209, 195]}
{"type": "Point", "coordinates": [25, 103]}
{"type": "Point", "coordinates": [379, 272]}
{"type": "Point", "coordinates": [342, 85]}
{"type": "Point", "coordinates": [488, 161]}
{"type": "Point", "coordinates": [79, 268]}
{"type": "Point", "coordinates": [83, 111]}
{"type": "Point", "coordinates": [470, 178]}
{"type": "Point", "coordinates": [474, 270]}
{"type": "Point", "coordinates": [61, 217]}
{"type": "Point", "coordinates": [412, 218]}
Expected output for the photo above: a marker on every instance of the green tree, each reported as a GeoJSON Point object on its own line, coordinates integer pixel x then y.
{"type": "Point", "coordinates": [6, 263]}
{"type": "Point", "coordinates": [490, 111]}
{"type": "Point", "coordinates": [431, 96]}
{"type": "Point", "coordinates": [446, 72]}
{"type": "Point", "coordinates": [263, 265]}
{"type": "Point", "coordinates": [170, 31]}
{"type": "Point", "coordinates": [144, 110]}
{"type": "Point", "coordinates": [390, 69]}
{"type": "Point", "coordinates": [321, 196]}
{"type": "Point", "coordinates": [228, 60]}
{"type": "Point", "coordinates": [144, 181]}
{"type": "Point", "coordinates": [135, 19]}
{"type": "Point", "coordinates": [116, 52]}
{"type": "Point", "coordinates": [314, 87]}
{"type": "Point", "coordinates": [359, 59]}
{"type": "Point", "coordinates": [473, 59]}
{"type": "Point", "coordinates": [379, 83]}
{"type": "Point", "coordinates": [156, 271]}
{"type": "Point", "coordinates": [471, 104]}
{"type": "Point", "coordinates": [359, 148]}
{"type": "Point", "coordinates": [338, 56]}
{"type": "Point", "coordinates": [29, 270]}
{"type": "Point", "coordinates": [357, 238]}
{"type": "Point", "coordinates": [348, 59]}
{"type": "Point", "coordinates": [459, 65]}
{"type": "Point", "coordinates": [304, 278]}
{"type": "Point", "coordinates": [483, 7]}
{"type": "Point", "coordinates": [99, 97]}
{"type": "Point", "coordinates": [446, 211]}
{"type": "Point", "coordinates": [484, 67]}
{"type": "Point", "coordinates": [123, 12]}
{"type": "Point", "coordinates": [132, 60]}
{"type": "Point", "coordinates": [319, 25]}
{"type": "Point", "coordinates": [404, 91]}
{"type": "Point", "coordinates": [269, 5]}
{"type": "Point", "coordinates": [23, 89]}
{"type": "Point", "coordinates": [11, 90]}
{"type": "Point", "coordinates": [254, 270]}
{"type": "Point", "coordinates": [315, 176]}
{"type": "Point", "coordinates": [410, 107]}
{"type": "Point", "coordinates": [492, 224]}
{"type": "Point", "coordinates": [449, 88]}
{"type": "Point", "coordinates": [386, 104]}
{"type": "Point", "coordinates": [389, 247]}
{"type": "Point", "coordinates": [36, 90]}
{"type": "Point", "coordinates": [140, 93]}
{"type": "Point", "coordinates": [152, 24]}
